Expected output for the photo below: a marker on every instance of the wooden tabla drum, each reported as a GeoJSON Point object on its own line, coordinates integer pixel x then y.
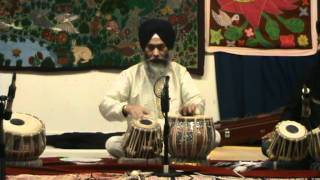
{"type": "Point", "coordinates": [143, 139]}
{"type": "Point", "coordinates": [289, 142]}
{"type": "Point", "coordinates": [191, 136]}
{"type": "Point", "coordinates": [314, 144]}
{"type": "Point", "coordinates": [25, 138]}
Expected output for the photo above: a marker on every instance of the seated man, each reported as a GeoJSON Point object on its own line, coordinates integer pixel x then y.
{"type": "Point", "coordinates": [133, 96]}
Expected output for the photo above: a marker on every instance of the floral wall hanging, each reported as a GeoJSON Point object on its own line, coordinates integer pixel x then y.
{"type": "Point", "coordinates": [45, 35]}
{"type": "Point", "coordinates": [261, 27]}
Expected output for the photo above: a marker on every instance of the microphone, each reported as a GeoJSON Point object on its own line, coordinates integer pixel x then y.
{"type": "Point", "coordinates": [11, 95]}
{"type": "Point", "coordinates": [305, 101]}
{"type": "Point", "coordinates": [165, 99]}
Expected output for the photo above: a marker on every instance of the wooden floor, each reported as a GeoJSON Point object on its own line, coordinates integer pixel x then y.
{"type": "Point", "coordinates": [237, 153]}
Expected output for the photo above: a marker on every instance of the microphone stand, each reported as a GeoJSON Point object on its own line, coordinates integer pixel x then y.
{"type": "Point", "coordinates": [165, 107]}
{"type": "Point", "coordinates": [2, 145]}
{"type": "Point", "coordinates": [5, 113]}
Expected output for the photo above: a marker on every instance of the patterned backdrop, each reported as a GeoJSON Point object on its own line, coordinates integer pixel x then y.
{"type": "Point", "coordinates": [85, 34]}
{"type": "Point", "coordinates": [283, 27]}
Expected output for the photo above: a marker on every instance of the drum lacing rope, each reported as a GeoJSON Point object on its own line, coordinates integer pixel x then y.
{"type": "Point", "coordinates": [314, 145]}
{"type": "Point", "coordinates": [194, 138]}
{"type": "Point", "coordinates": [286, 148]}
{"type": "Point", "coordinates": [174, 136]}
{"type": "Point", "coordinates": [142, 142]}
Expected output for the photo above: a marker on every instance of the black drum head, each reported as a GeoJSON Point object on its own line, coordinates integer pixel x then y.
{"type": "Point", "coordinates": [17, 122]}
{"type": "Point", "coordinates": [292, 129]}
{"type": "Point", "coordinates": [145, 122]}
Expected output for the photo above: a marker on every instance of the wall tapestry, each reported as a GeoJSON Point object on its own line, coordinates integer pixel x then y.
{"type": "Point", "coordinates": [45, 35]}
{"type": "Point", "coordinates": [261, 27]}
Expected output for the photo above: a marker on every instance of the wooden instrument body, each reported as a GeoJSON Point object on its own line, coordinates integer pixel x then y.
{"type": "Point", "coordinates": [247, 130]}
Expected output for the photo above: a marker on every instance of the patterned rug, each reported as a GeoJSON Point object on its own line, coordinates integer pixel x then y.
{"type": "Point", "coordinates": [131, 176]}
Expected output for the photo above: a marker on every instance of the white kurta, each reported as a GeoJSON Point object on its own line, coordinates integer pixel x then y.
{"type": "Point", "coordinates": [135, 87]}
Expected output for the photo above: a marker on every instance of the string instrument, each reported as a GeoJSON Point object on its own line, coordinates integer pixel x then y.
{"type": "Point", "coordinates": [248, 130]}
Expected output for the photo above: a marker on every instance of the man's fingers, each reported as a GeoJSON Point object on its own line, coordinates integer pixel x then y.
{"type": "Point", "coordinates": [182, 111]}
{"type": "Point", "coordinates": [190, 110]}
{"type": "Point", "coordinates": [194, 107]}
{"type": "Point", "coordinates": [185, 111]}
{"type": "Point", "coordinates": [137, 111]}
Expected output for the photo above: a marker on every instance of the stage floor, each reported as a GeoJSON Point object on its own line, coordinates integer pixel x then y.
{"type": "Point", "coordinates": [56, 168]}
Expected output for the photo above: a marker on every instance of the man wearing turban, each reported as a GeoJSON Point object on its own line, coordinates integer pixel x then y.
{"type": "Point", "coordinates": [133, 96]}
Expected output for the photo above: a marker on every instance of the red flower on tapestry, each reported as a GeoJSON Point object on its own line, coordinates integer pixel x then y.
{"type": "Point", "coordinates": [241, 42]}
{"type": "Point", "coordinates": [182, 19]}
{"type": "Point", "coordinates": [287, 41]}
{"type": "Point", "coordinates": [63, 60]}
{"type": "Point", "coordinates": [305, 2]}
{"type": "Point", "coordinates": [31, 60]}
{"type": "Point", "coordinates": [173, 20]}
{"type": "Point", "coordinates": [62, 37]}
{"type": "Point", "coordinates": [252, 9]}
{"type": "Point", "coordinates": [48, 34]}
{"type": "Point", "coordinates": [39, 55]}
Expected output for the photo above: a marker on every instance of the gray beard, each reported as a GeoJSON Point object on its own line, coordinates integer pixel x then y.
{"type": "Point", "coordinates": [156, 70]}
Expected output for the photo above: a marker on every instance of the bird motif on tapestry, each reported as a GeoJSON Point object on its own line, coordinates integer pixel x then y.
{"type": "Point", "coordinates": [223, 19]}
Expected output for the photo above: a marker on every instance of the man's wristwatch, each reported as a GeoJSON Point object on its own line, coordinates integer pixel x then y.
{"type": "Point", "coordinates": [124, 112]}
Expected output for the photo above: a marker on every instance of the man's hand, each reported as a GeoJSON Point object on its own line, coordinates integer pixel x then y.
{"type": "Point", "coordinates": [189, 110]}
{"type": "Point", "coordinates": [136, 111]}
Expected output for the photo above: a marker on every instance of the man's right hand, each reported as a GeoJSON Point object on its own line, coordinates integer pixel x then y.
{"type": "Point", "coordinates": [136, 111]}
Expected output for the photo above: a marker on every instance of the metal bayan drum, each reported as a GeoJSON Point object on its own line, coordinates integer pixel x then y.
{"type": "Point", "coordinates": [289, 142]}
{"type": "Point", "coordinates": [143, 139]}
{"type": "Point", "coordinates": [314, 144]}
{"type": "Point", "coordinates": [25, 137]}
{"type": "Point", "coordinates": [191, 136]}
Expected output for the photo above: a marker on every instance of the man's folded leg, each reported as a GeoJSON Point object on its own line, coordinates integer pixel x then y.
{"type": "Point", "coordinates": [114, 146]}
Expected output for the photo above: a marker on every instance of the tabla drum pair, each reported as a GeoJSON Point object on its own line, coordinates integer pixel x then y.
{"type": "Point", "coordinates": [191, 137]}
{"type": "Point", "coordinates": [25, 140]}
{"type": "Point", "coordinates": [289, 142]}
{"type": "Point", "coordinates": [143, 139]}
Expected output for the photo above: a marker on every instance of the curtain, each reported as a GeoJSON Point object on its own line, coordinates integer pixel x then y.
{"type": "Point", "coordinates": [250, 85]}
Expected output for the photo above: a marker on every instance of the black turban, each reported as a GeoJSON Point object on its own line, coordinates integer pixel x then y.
{"type": "Point", "coordinates": [156, 26]}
